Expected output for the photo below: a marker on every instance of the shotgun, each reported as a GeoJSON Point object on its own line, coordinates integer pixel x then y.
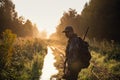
{"type": "Point", "coordinates": [85, 33]}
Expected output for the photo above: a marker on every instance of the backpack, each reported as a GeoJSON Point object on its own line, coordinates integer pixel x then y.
{"type": "Point", "coordinates": [84, 54]}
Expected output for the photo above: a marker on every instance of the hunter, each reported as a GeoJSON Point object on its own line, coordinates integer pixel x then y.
{"type": "Point", "coordinates": [72, 69]}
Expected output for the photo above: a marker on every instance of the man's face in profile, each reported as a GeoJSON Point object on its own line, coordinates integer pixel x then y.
{"type": "Point", "coordinates": [68, 34]}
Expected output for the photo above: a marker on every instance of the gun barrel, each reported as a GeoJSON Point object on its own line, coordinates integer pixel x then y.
{"type": "Point", "coordinates": [85, 33]}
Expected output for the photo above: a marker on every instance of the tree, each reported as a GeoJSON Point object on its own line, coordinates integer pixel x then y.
{"type": "Point", "coordinates": [7, 12]}
{"type": "Point", "coordinates": [69, 18]}
{"type": "Point", "coordinates": [10, 20]}
{"type": "Point", "coordinates": [102, 16]}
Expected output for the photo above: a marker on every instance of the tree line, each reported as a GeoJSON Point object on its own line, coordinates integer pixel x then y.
{"type": "Point", "coordinates": [101, 16]}
{"type": "Point", "coordinates": [9, 19]}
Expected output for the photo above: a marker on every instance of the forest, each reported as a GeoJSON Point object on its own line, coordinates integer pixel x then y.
{"type": "Point", "coordinates": [22, 51]}
{"type": "Point", "coordinates": [102, 18]}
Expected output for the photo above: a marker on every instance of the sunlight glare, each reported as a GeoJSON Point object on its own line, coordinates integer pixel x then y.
{"type": "Point", "coordinates": [46, 14]}
{"type": "Point", "coordinates": [48, 66]}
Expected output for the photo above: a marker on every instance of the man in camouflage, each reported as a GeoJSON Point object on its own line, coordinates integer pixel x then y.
{"type": "Point", "coordinates": [72, 64]}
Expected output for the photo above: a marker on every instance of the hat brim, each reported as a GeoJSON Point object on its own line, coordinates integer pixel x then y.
{"type": "Point", "coordinates": [64, 31]}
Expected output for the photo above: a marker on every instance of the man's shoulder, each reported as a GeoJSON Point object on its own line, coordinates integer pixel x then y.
{"type": "Point", "coordinates": [77, 38]}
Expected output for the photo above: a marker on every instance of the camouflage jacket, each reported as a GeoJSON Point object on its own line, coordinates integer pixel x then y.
{"type": "Point", "coordinates": [73, 49]}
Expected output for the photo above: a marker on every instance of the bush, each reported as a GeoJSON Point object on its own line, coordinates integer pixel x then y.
{"type": "Point", "coordinates": [21, 59]}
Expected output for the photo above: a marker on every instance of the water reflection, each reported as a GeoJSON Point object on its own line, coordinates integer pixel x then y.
{"type": "Point", "coordinates": [48, 66]}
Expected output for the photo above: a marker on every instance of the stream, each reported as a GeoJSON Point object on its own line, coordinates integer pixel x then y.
{"type": "Point", "coordinates": [48, 67]}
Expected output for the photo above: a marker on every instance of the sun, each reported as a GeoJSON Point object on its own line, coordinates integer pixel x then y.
{"type": "Point", "coordinates": [46, 29]}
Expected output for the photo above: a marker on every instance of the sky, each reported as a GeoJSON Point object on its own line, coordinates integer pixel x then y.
{"type": "Point", "coordinates": [46, 14]}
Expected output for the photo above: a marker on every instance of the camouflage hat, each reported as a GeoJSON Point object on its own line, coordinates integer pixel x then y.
{"type": "Point", "coordinates": [68, 29]}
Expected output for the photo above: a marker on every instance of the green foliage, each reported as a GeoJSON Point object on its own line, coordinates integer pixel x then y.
{"type": "Point", "coordinates": [6, 48]}
{"type": "Point", "coordinates": [116, 71]}
{"type": "Point", "coordinates": [26, 59]}
{"type": "Point", "coordinates": [8, 37]}
{"type": "Point", "coordinates": [115, 53]}
{"type": "Point", "coordinates": [109, 49]}
{"type": "Point", "coordinates": [102, 16]}
{"type": "Point", "coordinates": [37, 66]}
{"type": "Point", "coordinates": [105, 64]}
{"type": "Point", "coordinates": [6, 52]}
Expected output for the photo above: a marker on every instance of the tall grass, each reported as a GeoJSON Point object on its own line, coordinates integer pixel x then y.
{"type": "Point", "coordinates": [25, 58]}
{"type": "Point", "coordinates": [105, 62]}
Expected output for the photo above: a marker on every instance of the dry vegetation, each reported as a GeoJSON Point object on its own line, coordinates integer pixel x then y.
{"type": "Point", "coordinates": [105, 62]}
{"type": "Point", "coordinates": [20, 58]}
